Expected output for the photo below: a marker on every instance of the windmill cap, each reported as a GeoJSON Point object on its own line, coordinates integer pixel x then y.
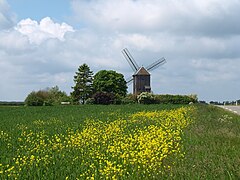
{"type": "Point", "coordinates": [142, 71]}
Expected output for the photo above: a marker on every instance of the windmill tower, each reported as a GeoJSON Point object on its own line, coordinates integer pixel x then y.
{"type": "Point", "coordinates": [141, 77]}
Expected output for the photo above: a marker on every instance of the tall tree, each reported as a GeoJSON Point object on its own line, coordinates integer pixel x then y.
{"type": "Point", "coordinates": [83, 88]}
{"type": "Point", "coordinates": [111, 82]}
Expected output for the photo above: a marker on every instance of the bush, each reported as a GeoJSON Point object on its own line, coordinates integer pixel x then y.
{"type": "Point", "coordinates": [33, 99]}
{"type": "Point", "coordinates": [56, 96]}
{"type": "Point", "coordinates": [103, 98]}
{"type": "Point", "coordinates": [194, 97]}
{"type": "Point", "coordinates": [146, 98]}
{"type": "Point", "coordinates": [118, 99]}
{"type": "Point", "coordinates": [48, 102]}
{"type": "Point", "coordinates": [174, 99]}
{"type": "Point", "coordinates": [39, 98]}
{"type": "Point", "coordinates": [89, 101]}
{"type": "Point", "coordinates": [129, 99]}
{"type": "Point", "coordinates": [47, 97]}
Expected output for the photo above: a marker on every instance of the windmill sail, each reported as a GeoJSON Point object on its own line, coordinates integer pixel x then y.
{"type": "Point", "coordinates": [129, 80]}
{"type": "Point", "coordinates": [141, 76]}
{"type": "Point", "coordinates": [130, 60]}
{"type": "Point", "coordinates": [156, 64]}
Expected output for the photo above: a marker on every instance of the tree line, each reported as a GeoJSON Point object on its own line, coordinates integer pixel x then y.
{"type": "Point", "coordinates": [105, 87]}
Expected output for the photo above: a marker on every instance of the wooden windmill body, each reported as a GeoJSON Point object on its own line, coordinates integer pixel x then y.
{"type": "Point", "coordinates": [141, 81]}
{"type": "Point", "coordinates": [141, 78]}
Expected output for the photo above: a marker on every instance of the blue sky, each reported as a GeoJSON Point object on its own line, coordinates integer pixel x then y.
{"type": "Point", "coordinates": [58, 10]}
{"type": "Point", "coordinates": [42, 43]}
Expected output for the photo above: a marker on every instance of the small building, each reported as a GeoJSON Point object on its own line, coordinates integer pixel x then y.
{"type": "Point", "coordinates": [141, 81]}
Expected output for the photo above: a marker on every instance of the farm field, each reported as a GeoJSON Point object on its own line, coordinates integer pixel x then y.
{"type": "Point", "coordinates": [119, 142]}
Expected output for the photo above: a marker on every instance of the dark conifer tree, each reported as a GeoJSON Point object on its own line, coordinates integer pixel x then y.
{"type": "Point", "coordinates": [83, 88]}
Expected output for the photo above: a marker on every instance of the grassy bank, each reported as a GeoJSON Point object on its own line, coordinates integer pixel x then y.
{"type": "Point", "coordinates": [127, 142]}
{"type": "Point", "coordinates": [212, 145]}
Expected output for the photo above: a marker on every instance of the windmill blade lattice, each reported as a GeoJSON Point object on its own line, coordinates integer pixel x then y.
{"type": "Point", "coordinates": [130, 60]}
{"type": "Point", "coordinates": [129, 80]}
{"type": "Point", "coordinates": [141, 76]}
{"type": "Point", "coordinates": [156, 64]}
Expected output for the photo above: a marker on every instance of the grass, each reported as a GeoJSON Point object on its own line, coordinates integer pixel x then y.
{"type": "Point", "coordinates": [70, 115]}
{"type": "Point", "coordinates": [211, 142]}
{"type": "Point", "coordinates": [212, 145]}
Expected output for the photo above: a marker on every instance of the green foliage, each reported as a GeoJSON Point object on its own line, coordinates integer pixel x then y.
{"type": "Point", "coordinates": [129, 99]}
{"type": "Point", "coordinates": [149, 98]}
{"type": "Point", "coordinates": [193, 97]}
{"type": "Point", "coordinates": [174, 99]}
{"type": "Point", "coordinates": [89, 101]}
{"type": "Point", "coordinates": [104, 98]}
{"type": "Point", "coordinates": [56, 96]}
{"type": "Point", "coordinates": [111, 82]}
{"type": "Point", "coordinates": [34, 99]}
{"type": "Point", "coordinates": [83, 88]}
{"type": "Point", "coordinates": [117, 99]}
{"type": "Point", "coordinates": [47, 97]}
{"type": "Point", "coordinates": [146, 98]}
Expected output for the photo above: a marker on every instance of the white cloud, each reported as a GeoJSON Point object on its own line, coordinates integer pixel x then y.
{"type": "Point", "coordinates": [199, 39]}
{"type": "Point", "coordinates": [13, 41]}
{"type": "Point", "coordinates": [45, 29]}
{"type": "Point", "coordinates": [209, 17]}
{"type": "Point", "coordinates": [32, 57]}
{"type": "Point", "coordinates": [7, 18]}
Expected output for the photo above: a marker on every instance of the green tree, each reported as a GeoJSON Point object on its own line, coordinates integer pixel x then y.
{"type": "Point", "coordinates": [34, 99]}
{"type": "Point", "coordinates": [111, 82]}
{"type": "Point", "coordinates": [57, 96]}
{"type": "Point", "coordinates": [47, 97]}
{"type": "Point", "coordinates": [83, 88]}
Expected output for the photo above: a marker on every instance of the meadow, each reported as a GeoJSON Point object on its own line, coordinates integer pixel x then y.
{"type": "Point", "coordinates": [119, 142]}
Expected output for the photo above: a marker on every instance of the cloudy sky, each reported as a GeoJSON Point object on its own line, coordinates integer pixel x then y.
{"type": "Point", "coordinates": [43, 42]}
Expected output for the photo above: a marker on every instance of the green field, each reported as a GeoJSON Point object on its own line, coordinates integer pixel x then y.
{"type": "Point", "coordinates": [119, 142]}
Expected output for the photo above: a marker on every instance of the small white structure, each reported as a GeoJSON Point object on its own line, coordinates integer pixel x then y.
{"type": "Point", "coordinates": [65, 103]}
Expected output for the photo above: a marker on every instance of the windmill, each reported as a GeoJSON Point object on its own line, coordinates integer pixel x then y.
{"type": "Point", "coordinates": [141, 76]}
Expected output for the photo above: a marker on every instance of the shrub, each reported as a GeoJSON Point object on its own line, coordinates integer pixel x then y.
{"type": "Point", "coordinates": [118, 99]}
{"type": "Point", "coordinates": [103, 98]}
{"type": "Point", "coordinates": [89, 101]}
{"type": "Point", "coordinates": [47, 97]}
{"type": "Point", "coordinates": [39, 98]}
{"type": "Point", "coordinates": [56, 96]}
{"type": "Point", "coordinates": [146, 98]}
{"type": "Point", "coordinates": [175, 99]}
{"type": "Point", "coordinates": [33, 99]}
{"type": "Point", "coordinates": [194, 97]}
{"type": "Point", "coordinates": [48, 102]}
{"type": "Point", "coordinates": [129, 99]}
